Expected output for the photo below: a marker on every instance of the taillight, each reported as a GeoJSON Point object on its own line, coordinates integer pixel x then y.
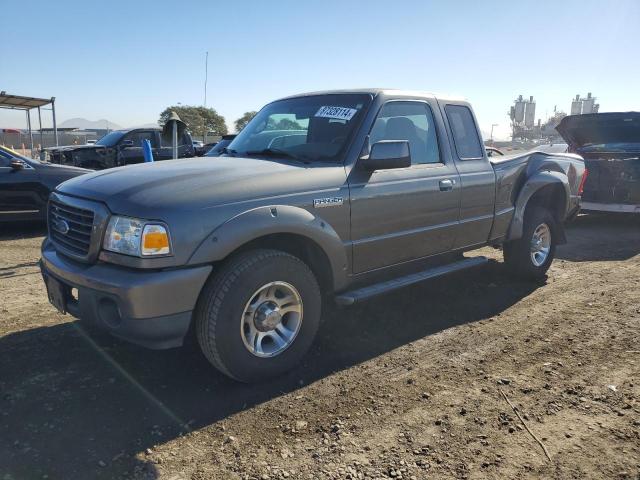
{"type": "Point", "coordinates": [582, 182]}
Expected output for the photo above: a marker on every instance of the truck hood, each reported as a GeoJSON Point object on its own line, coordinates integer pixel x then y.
{"type": "Point", "coordinates": [75, 148]}
{"type": "Point", "coordinates": [599, 128]}
{"type": "Point", "coordinates": [151, 190]}
{"type": "Point", "coordinates": [63, 169]}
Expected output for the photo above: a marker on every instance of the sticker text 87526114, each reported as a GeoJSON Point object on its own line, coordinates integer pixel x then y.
{"type": "Point", "coordinates": [339, 113]}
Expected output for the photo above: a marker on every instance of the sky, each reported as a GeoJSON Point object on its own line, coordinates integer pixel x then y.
{"type": "Point", "coordinates": [127, 60]}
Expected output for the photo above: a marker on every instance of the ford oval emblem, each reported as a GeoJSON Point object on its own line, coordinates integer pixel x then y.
{"type": "Point", "coordinates": [61, 226]}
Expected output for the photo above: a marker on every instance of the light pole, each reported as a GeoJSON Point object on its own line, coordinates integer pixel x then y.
{"type": "Point", "coordinates": [206, 77]}
{"type": "Point", "coordinates": [491, 136]}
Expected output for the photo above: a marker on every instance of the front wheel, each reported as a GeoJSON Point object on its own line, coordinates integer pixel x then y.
{"type": "Point", "coordinates": [530, 256]}
{"type": "Point", "coordinates": [258, 316]}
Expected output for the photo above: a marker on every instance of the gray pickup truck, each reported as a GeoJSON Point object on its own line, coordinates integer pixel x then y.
{"type": "Point", "coordinates": [330, 196]}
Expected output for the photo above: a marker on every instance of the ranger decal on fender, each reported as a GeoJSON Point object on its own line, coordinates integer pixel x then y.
{"type": "Point", "coordinates": [327, 202]}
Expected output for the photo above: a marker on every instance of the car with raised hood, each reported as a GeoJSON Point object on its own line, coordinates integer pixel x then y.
{"type": "Point", "coordinates": [324, 197]}
{"type": "Point", "coordinates": [121, 147]}
{"type": "Point", "coordinates": [610, 146]}
{"type": "Point", "coordinates": [25, 185]}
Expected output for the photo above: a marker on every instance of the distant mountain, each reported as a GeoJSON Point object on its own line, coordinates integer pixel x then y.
{"type": "Point", "coordinates": [83, 123]}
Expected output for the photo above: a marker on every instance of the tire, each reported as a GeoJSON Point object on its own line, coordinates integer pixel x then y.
{"type": "Point", "coordinates": [519, 255]}
{"type": "Point", "coordinates": [242, 298]}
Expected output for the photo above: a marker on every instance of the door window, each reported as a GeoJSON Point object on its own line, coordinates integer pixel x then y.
{"type": "Point", "coordinates": [5, 160]}
{"type": "Point", "coordinates": [411, 121]}
{"type": "Point", "coordinates": [465, 134]}
{"type": "Point", "coordinates": [138, 137]}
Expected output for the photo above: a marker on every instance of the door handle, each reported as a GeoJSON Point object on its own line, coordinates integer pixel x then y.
{"type": "Point", "coordinates": [447, 185]}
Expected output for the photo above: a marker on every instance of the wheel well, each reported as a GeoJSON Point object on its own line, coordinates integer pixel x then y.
{"type": "Point", "coordinates": [301, 247]}
{"type": "Point", "coordinates": [551, 197]}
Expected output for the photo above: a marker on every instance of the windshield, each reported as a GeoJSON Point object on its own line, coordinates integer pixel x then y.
{"type": "Point", "coordinates": [7, 154]}
{"type": "Point", "coordinates": [110, 139]}
{"type": "Point", "coordinates": [311, 128]}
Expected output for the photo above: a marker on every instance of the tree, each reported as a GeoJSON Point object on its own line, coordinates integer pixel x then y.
{"type": "Point", "coordinates": [200, 120]}
{"type": "Point", "coordinates": [286, 124]}
{"type": "Point", "coordinates": [283, 124]}
{"type": "Point", "coordinates": [244, 119]}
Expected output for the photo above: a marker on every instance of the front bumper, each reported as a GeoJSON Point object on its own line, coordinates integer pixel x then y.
{"type": "Point", "coordinates": [152, 308]}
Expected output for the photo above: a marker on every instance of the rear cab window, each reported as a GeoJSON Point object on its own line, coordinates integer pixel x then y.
{"type": "Point", "coordinates": [465, 133]}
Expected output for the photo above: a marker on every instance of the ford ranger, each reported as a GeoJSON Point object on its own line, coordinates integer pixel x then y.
{"type": "Point", "coordinates": [331, 196]}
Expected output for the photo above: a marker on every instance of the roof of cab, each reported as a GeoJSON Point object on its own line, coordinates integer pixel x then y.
{"type": "Point", "coordinates": [381, 91]}
{"type": "Point", "coordinates": [144, 129]}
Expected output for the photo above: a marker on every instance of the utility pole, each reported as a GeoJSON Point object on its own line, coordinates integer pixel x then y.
{"type": "Point", "coordinates": [55, 125]}
{"type": "Point", "coordinates": [206, 75]}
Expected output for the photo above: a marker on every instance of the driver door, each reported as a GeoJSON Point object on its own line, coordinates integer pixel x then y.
{"type": "Point", "coordinates": [132, 153]}
{"type": "Point", "coordinates": [20, 192]}
{"type": "Point", "coordinates": [402, 214]}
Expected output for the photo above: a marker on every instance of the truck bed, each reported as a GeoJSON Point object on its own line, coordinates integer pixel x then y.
{"type": "Point", "coordinates": [513, 170]}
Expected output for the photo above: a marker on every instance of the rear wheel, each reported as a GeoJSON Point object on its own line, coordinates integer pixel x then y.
{"type": "Point", "coordinates": [258, 316]}
{"type": "Point", "coordinates": [530, 256]}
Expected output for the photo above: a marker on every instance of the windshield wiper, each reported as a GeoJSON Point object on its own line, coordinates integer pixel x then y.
{"type": "Point", "coordinates": [276, 152]}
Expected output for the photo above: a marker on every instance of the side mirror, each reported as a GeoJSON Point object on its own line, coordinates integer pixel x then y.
{"type": "Point", "coordinates": [16, 165]}
{"type": "Point", "coordinates": [387, 154]}
{"type": "Point", "coordinates": [126, 143]}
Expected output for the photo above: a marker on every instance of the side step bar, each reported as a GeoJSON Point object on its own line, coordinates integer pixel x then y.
{"type": "Point", "coordinates": [355, 296]}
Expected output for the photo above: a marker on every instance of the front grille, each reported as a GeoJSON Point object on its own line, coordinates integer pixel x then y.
{"type": "Point", "coordinates": [70, 227]}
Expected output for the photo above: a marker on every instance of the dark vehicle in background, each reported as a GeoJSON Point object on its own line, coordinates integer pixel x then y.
{"type": "Point", "coordinates": [337, 196]}
{"type": "Point", "coordinates": [25, 185]}
{"type": "Point", "coordinates": [121, 147]}
{"type": "Point", "coordinates": [200, 148]}
{"type": "Point", "coordinates": [219, 148]}
{"type": "Point", "coordinates": [610, 146]}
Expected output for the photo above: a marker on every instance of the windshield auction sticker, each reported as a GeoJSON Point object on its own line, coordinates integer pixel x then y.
{"type": "Point", "coordinates": [339, 113]}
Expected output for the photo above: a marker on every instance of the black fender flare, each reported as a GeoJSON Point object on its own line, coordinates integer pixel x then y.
{"type": "Point", "coordinates": [533, 184]}
{"type": "Point", "coordinates": [274, 219]}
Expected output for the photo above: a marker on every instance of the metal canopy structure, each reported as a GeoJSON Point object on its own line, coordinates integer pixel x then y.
{"type": "Point", "coordinates": [18, 102]}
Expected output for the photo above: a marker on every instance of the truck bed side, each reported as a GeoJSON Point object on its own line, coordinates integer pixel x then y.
{"type": "Point", "coordinates": [518, 177]}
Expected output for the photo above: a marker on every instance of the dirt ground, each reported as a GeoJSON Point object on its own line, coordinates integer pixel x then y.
{"type": "Point", "coordinates": [409, 385]}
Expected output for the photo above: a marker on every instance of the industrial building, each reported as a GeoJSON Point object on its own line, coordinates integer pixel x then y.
{"type": "Point", "coordinates": [524, 126]}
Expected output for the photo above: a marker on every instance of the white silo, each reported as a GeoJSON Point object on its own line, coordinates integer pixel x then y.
{"type": "Point", "coordinates": [530, 113]}
{"type": "Point", "coordinates": [576, 106]}
{"type": "Point", "coordinates": [588, 103]}
{"type": "Point", "coordinates": [519, 110]}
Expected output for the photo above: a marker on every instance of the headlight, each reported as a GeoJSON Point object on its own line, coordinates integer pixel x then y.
{"type": "Point", "coordinates": [133, 236]}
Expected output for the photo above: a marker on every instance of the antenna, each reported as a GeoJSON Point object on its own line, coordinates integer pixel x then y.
{"type": "Point", "coordinates": [206, 76]}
